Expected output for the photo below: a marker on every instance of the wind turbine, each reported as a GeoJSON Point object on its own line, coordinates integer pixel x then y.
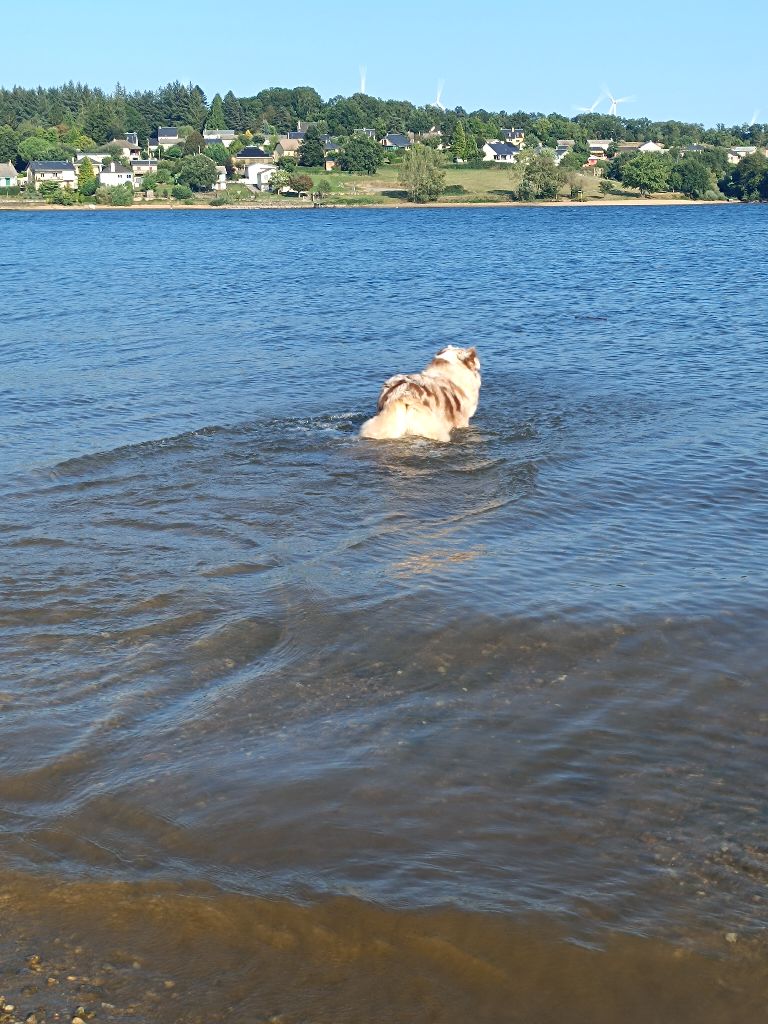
{"type": "Point", "coordinates": [591, 110]}
{"type": "Point", "coordinates": [613, 110]}
{"type": "Point", "coordinates": [362, 79]}
{"type": "Point", "coordinates": [439, 96]}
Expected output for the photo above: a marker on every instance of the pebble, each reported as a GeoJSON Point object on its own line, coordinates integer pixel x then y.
{"type": "Point", "coordinates": [78, 1020]}
{"type": "Point", "coordinates": [731, 937]}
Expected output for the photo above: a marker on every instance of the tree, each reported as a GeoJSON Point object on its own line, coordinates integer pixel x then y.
{"type": "Point", "coordinates": [541, 178]}
{"type": "Point", "coordinates": [301, 182]}
{"type": "Point", "coordinates": [279, 180]}
{"type": "Point", "coordinates": [194, 143]}
{"type": "Point", "coordinates": [86, 178]}
{"type": "Point", "coordinates": [459, 142]}
{"type": "Point", "coordinates": [421, 175]}
{"type": "Point", "coordinates": [198, 172]}
{"type": "Point", "coordinates": [311, 152]}
{"type": "Point", "coordinates": [362, 155]}
{"type": "Point", "coordinates": [690, 176]}
{"type": "Point", "coordinates": [181, 192]}
{"type": "Point", "coordinates": [9, 142]}
{"type": "Point", "coordinates": [233, 112]}
{"type": "Point", "coordinates": [216, 117]}
{"type": "Point", "coordinates": [98, 120]}
{"type": "Point", "coordinates": [749, 178]}
{"type": "Point", "coordinates": [647, 172]}
{"type": "Point", "coordinates": [37, 148]}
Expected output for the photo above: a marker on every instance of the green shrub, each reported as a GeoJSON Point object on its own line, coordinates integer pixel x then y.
{"type": "Point", "coordinates": [218, 201]}
{"type": "Point", "coordinates": [181, 192]}
{"type": "Point", "coordinates": [454, 190]}
{"type": "Point", "coordinates": [121, 195]}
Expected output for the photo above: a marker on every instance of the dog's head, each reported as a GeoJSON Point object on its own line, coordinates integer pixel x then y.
{"type": "Point", "coordinates": [467, 357]}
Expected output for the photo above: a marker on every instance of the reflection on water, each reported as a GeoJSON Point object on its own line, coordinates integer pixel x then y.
{"type": "Point", "coordinates": [486, 717]}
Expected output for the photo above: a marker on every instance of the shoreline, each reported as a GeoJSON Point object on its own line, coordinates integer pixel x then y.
{"type": "Point", "coordinates": [258, 207]}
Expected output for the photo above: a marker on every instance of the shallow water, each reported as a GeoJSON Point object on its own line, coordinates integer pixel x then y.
{"type": "Point", "coordinates": [515, 684]}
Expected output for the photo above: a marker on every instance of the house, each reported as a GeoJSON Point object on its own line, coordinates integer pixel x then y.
{"type": "Point", "coordinates": [140, 168]}
{"type": "Point", "coordinates": [97, 159]}
{"type": "Point", "coordinates": [288, 147]}
{"type": "Point", "coordinates": [396, 140]}
{"type": "Point", "coordinates": [128, 149]}
{"type": "Point", "coordinates": [292, 136]}
{"type": "Point", "coordinates": [132, 137]}
{"type": "Point", "coordinates": [368, 133]}
{"type": "Point", "coordinates": [651, 147]}
{"type": "Point", "coordinates": [737, 153]}
{"type": "Point", "coordinates": [258, 175]}
{"type": "Point", "coordinates": [221, 178]}
{"type": "Point", "coordinates": [598, 150]}
{"type": "Point", "coordinates": [8, 176]}
{"type": "Point", "coordinates": [695, 148]}
{"type": "Point", "coordinates": [113, 174]}
{"type": "Point", "coordinates": [562, 151]}
{"type": "Point", "coordinates": [254, 155]}
{"type": "Point", "coordinates": [61, 172]}
{"type": "Point", "coordinates": [166, 138]}
{"type": "Point", "coordinates": [513, 137]}
{"type": "Point", "coordinates": [224, 136]}
{"type": "Point", "coordinates": [500, 152]}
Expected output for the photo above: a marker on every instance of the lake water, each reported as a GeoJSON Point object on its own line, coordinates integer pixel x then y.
{"type": "Point", "coordinates": [296, 724]}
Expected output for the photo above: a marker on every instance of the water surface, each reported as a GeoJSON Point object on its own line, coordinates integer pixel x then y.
{"type": "Point", "coordinates": [488, 704]}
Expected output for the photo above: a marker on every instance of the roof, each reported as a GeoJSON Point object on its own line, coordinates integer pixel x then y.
{"type": "Point", "coordinates": [397, 139]}
{"type": "Point", "coordinates": [289, 145]}
{"type": "Point", "coordinates": [221, 169]}
{"type": "Point", "coordinates": [168, 133]}
{"type": "Point", "coordinates": [566, 142]}
{"type": "Point", "coordinates": [219, 133]}
{"type": "Point", "coordinates": [256, 151]}
{"type": "Point", "coordinates": [599, 143]}
{"type": "Point", "coordinates": [749, 150]}
{"type": "Point", "coordinates": [7, 171]}
{"type": "Point", "coordinates": [503, 148]}
{"type": "Point", "coordinates": [116, 169]}
{"type": "Point", "coordinates": [51, 165]}
{"type": "Point", "coordinates": [125, 143]}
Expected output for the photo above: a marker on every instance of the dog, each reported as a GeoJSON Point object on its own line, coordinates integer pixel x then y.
{"type": "Point", "coordinates": [429, 404]}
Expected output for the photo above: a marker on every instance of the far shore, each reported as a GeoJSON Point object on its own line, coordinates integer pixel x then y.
{"type": "Point", "coordinates": [298, 205]}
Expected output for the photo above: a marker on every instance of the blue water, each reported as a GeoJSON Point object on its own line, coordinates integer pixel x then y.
{"type": "Point", "coordinates": [519, 674]}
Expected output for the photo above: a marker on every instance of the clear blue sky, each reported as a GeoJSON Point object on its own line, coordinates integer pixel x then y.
{"type": "Point", "coordinates": [693, 62]}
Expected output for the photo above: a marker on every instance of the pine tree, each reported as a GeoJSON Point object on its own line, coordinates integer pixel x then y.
{"type": "Point", "coordinates": [459, 142]}
{"type": "Point", "coordinates": [233, 112]}
{"type": "Point", "coordinates": [216, 117]}
{"type": "Point", "coordinates": [86, 178]}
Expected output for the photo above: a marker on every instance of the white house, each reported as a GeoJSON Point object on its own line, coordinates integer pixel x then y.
{"type": "Point", "coordinates": [223, 135]}
{"type": "Point", "coordinates": [500, 152]}
{"type": "Point", "coordinates": [8, 176]}
{"type": "Point", "coordinates": [61, 172]}
{"type": "Point", "coordinates": [737, 153]}
{"type": "Point", "coordinates": [115, 174]}
{"type": "Point", "coordinates": [258, 175]}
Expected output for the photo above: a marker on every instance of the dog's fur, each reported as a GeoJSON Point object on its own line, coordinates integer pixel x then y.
{"type": "Point", "coordinates": [431, 403]}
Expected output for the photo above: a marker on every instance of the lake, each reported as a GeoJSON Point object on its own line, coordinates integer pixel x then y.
{"type": "Point", "coordinates": [304, 727]}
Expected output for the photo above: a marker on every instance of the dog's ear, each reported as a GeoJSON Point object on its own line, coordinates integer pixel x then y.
{"type": "Point", "coordinates": [471, 359]}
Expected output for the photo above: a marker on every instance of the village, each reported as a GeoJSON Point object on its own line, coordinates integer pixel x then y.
{"type": "Point", "coordinates": [123, 161]}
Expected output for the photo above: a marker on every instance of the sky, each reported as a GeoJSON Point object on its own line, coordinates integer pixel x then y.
{"type": "Point", "coordinates": [686, 61]}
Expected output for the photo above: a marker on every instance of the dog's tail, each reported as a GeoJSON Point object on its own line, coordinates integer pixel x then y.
{"type": "Point", "coordinates": [389, 424]}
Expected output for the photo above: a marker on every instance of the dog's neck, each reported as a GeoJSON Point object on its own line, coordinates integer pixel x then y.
{"type": "Point", "coordinates": [468, 380]}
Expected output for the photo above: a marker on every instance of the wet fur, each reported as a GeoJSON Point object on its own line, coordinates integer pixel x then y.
{"type": "Point", "coordinates": [429, 404]}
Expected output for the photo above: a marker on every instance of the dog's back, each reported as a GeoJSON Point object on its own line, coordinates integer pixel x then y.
{"type": "Point", "coordinates": [428, 404]}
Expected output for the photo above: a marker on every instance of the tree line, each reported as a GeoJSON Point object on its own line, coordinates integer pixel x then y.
{"type": "Point", "coordinates": [78, 111]}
